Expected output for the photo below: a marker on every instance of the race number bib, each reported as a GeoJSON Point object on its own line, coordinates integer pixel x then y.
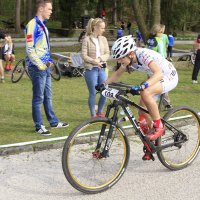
{"type": "Point", "coordinates": [110, 93]}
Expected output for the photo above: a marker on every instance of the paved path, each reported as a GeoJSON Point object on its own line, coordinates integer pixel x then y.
{"type": "Point", "coordinates": [39, 176]}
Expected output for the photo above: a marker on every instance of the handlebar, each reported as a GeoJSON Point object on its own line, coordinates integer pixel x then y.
{"type": "Point", "coordinates": [115, 90]}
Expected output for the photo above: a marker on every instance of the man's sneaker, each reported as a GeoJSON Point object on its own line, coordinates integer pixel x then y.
{"type": "Point", "coordinates": [194, 81]}
{"type": "Point", "coordinates": [60, 125]}
{"type": "Point", "coordinates": [155, 133]}
{"type": "Point", "coordinates": [42, 131]}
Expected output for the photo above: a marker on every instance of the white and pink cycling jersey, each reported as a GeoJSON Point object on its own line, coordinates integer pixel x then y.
{"type": "Point", "coordinates": [146, 56]}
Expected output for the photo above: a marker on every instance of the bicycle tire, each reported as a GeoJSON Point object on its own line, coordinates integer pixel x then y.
{"type": "Point", "coordinates": [18, 71]}
{"type": "Point", "coordinates": [184, 58]}
{"type": "Point", "coordinates": [181, 155]}
{"type": "Point", "coordinates": [55, 72]}
{"type": "Point", "coordinates": [85, 172]}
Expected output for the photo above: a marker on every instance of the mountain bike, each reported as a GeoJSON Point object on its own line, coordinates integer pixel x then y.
{"type": "Point", "coordinates": [159, 98]}
{"type": "Point", "coordinates": [96, 153]}
{"type": "Point", "coordinates": [21, 68]}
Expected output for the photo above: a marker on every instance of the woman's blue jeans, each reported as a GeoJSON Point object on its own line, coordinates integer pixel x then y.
{"type": "Point", "coordinates": [95, 77]}
{"type": "Point", "coordinates": [42, 94]}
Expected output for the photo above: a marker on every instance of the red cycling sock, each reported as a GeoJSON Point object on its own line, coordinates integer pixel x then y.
{"type": "Point", "coordinates": [157, 123]}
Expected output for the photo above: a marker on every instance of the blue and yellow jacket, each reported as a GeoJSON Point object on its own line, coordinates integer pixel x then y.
{"type": "Point", "coordinates": [37, 44]}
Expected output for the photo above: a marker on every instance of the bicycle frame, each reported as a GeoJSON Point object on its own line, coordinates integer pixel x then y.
{"type": "Point", "coordinates": [124, 103]}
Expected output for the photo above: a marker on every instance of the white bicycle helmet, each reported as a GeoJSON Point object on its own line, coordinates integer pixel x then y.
{"type": "Point", "coordinates": [123, 46]}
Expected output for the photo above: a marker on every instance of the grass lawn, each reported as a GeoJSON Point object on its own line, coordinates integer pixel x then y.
{"type": "Point", "coordinates": [70, 102]}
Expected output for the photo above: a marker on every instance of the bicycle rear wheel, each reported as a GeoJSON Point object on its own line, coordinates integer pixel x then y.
{"type": "Point", "coordinates": [18, 71]}
{"type": "Point", "coordinates": [55, 72]}
{"type": "Point", "coordinates": [85, 171]}
{"type": "Point", "coordinates": [179, 156]}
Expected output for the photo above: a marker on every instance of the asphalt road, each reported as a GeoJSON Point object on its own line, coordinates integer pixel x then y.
{"type": "Point", "coordinates": [39, 176]}
{"type": "Point", "coordinates": [64, 42]}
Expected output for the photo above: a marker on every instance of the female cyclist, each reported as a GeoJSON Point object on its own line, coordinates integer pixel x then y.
{"type": "Point", "coordinates": [162, 75]}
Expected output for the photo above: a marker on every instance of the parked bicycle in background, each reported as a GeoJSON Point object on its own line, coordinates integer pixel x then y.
{"type": "Point", "coordinates": [188, 57]}
{"type": "Point", "coordinates": [21, 68]}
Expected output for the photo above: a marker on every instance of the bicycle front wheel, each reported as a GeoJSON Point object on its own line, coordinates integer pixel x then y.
{"type": "Point", "coordinates": [55, 72]}
{"type": "Point", "coordinates": [18, 71]}
{"type": "Point", "coordinates": [83, 167]}
{"type": "Point", "coordinates": [184, 133]}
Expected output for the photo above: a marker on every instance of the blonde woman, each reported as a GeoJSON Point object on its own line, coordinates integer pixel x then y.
{"type": "Point", "coordinates": [95, 53]}
{"type": "Point", "coordinates": [8, 52]}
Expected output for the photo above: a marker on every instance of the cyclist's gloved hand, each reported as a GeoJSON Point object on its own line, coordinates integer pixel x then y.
{"type": "Point", "coordinates": [100, 87]}
{"type": "Point", "coordinates": [135, 90]}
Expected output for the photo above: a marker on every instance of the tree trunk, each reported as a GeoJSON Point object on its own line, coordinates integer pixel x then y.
{"type": "Point", "coordinates": [149, 13]}
{"type": "Point", "coordinates": [0, 7]}
{"type": "Point", "coordinates": [115, 12]}
{"type": "Point", "coordinates": [155, 12]}
{"type": "Point", "coordinates": [17, 15]}
{"type": "Point", "coordinates": [29, 8]}
{"type": "Point", "coordinates": [139, 19]}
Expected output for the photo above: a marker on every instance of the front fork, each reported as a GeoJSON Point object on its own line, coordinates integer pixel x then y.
{"type": "Point", "coordinates": [105, 153]}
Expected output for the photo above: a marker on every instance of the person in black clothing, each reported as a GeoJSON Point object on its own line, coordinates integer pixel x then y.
{"type": "Point", "coordinates": [197, 61]}
{"type": "Point", "coordinates": [2, 36]}
{"type": "Point", "coordinates": [122, 25]}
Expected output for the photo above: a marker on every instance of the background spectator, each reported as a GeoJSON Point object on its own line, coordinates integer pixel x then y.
{"type": "Point", "coordinates": [139, 38]}
{"type": "Point", "coordinates": [2, 36]}
{"type": "Point", "coordinates": [8, 53]}
{"type": "Point", "coordinates": [119, 32]}
{"type": "Point", "coordinates": [162, 42]}
{"type": "Point", "coordinates": [170, 46]}
{"type": "Point", "coordinates": [197, 60]}
{"type": "Point", "coordinates": [39, 61]}
{"type": "Point", "coordinates": [122, 25]}
{"type": "Point", "coordinates": [165, 40]}
{"type": "Point", "coordinates": [95, 53]}
{"type": "Point", "coordinates": [129, 27]}
{"type": "Point", "coordinates": [103, 13]}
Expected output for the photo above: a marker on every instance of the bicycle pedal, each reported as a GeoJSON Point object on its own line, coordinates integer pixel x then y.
{"type": "Point", "coordinates": [148, 156]}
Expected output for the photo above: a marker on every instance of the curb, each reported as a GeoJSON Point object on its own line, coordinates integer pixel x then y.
{"type": "Point", "coordinates": [30, 148]}
{"type": "Point", "coordinates": [34, 147]}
